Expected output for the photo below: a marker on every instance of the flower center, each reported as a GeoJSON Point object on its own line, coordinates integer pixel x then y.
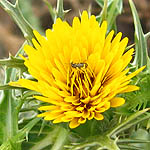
{"type": "Point", "coordinates": [80, 80]}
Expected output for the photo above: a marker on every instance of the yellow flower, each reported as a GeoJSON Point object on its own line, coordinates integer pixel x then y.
{"type": "Point", "coordinates": [79, 70]}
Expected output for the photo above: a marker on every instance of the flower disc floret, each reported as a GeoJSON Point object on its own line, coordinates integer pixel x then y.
{"type": "Point", "coordinates": [79, 70]}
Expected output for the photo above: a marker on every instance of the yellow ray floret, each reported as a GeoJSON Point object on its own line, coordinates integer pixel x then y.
{"type": "Point", "coordinates": [79, 71]}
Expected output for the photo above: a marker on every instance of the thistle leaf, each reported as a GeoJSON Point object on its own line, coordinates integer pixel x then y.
{"type": "Point", "coordinates": [15, 12]}
{"type": "Point", "coordinates": [110, 10]}
{"type": "Point", "coordinates": [141, 54]}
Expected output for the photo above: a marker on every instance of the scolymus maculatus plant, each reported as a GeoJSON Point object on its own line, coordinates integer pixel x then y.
{"type": "Point", "coordinates": [70, 86]}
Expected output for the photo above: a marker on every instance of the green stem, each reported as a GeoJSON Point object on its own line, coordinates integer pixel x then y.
{"type": "Point", "coordinates": [60, 9]}
{"type": "Point", "coordinates": [104, 12]}
{"type": "Point", "coordinates": [8, 87]}
{"type": "Point", "coordinates": [8, 114]}
{"type": "Point", "coordinates": [51, 10]}
{"type": "Point", "coordinates": [85, 145]}
{"type": "Point", "coordinates": [111, 15]}
{"type": "Point", "coordinates": [13, 62]}
{"type": "Point", "coordinates": [132, 141]}
{"type": "Point", "coordinates": [101, 142]}
{"type": "Point", "coordinates": [16, 14]}
{"type": "Point", "coordinates": [8, 109]}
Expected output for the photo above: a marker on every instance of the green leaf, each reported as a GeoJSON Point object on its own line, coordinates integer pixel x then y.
{"type": "Point", "coordinates": [134, 119]}
{"type": "Point", "coordinates": [15, 12]}
{"type": "Point", "coordinates": [60, 9]}
{"type": "Point", "coordinates": [100, 142]}
{"type": "Point", "coordinates": [100, 3]}
{"type": "Point", "coordinates": [132, 141]}
{"type": "Point", "coordinates": [59, 12]}
{"type": "Point", "coordinates": [22, 133]}
{"type": "Point", "coordinates": [113, 9]}
{"type": "Point", "coordinates": [27, 11]}
{"type": "Point", "coordinates": [129, 147]}
{"type": "Point", "coordinates": [104, 11]}
{"type": "Point", "coordinates": [13, 62]}
{"type": "Point", "coordinates": [147, 35]}
{"type": "Point", "coordinates": [8, 113]}
{"type": "Point", "coordinates": [52, 137]}
{"type": "Point", "coordinates": [8, 87]}
{"type": "Point", "coordinates": [140, 99]}
{"type": "Point", "coordinates": [51, 10]}
{"type": "Point", "coordinates": [60, 140]}
{"type": "Point", "coordinates": [141, 54]}
{"type": "Point", "coordinates": [142, 135]}
{"type": "Point", "coordinates": [113, 12]}
{"type": "Point", "coordinates": [14, 141]}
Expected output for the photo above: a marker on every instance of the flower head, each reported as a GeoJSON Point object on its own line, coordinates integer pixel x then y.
{"type": "Point", "coordinates": [79, 70]}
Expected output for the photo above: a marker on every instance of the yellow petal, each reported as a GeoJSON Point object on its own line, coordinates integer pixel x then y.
{"type": "Point", "coordinates": [107, 105]}
{"type": "Point", "coordinates": [53, 115]}
{"type": "Point", "coordinates": [117, 101]}
{"type": "Point", "coordinates": [66, 119]}
{"type": "Point", "coordinates": [127, 57]}
{"type": "Point", "coordinates": [48, 100]}
{"type": "Point", "coordinates": [121, 49]}
{"type": "Point", "coordinates": [84, 16]}
{"type": "Point", "coordinates": [135, 73]}
{"type": "Point", "coordinates": [103, 32]}
{"type": "Point", "coordinates": [57, 75]}
{"type": "Point", "coordinates": [32, 85]}
{"type": "Point", "coordinates": [75, 55]}
{"type": "Point", "coordinates": [36, 44]}
{"type": "Point", "coordinates": [86, 100]}
{"type": "Point", "coordinates": [98, 116]}
{"type": "Point", "coordinates": [91, 116]}
{"type": "Point", "coordinates": [86, 114]}
{"type": "Point", "coordinates": [51, 107]}
{"type": "Point", "coordinates": [44, 114]}
{"type": "Point", "coordinates": [116, 40]}
{"type": "Point", "coordinates": [61, 68]}
{"type": "Point", "coordinates": [131, 88]}
{"type": "Point", "coordinates": [82, 120]}
{"type": "Point", "coordinates": [72, 114]}
{"type": "Point", "coordinates": [58, 119]}
{"type": "Point", "coordinates": [76, 23]}
{"type": "Point", "coordinates": [38, 36]}
{"type": "Point", "coordinates": [74, 123]}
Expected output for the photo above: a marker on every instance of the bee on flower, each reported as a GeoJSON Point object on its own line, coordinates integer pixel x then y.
{"type": "Point", "coordinates": [88, 86]}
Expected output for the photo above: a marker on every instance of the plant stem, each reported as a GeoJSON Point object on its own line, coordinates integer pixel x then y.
{"type": "Point", "coordinates": [8, 114]}
{"type": "Point", "coordinates": [16, 14]}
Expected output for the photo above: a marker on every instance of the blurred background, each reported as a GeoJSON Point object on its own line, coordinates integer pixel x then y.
{"type": "Point", "coordinates": [36, 12]}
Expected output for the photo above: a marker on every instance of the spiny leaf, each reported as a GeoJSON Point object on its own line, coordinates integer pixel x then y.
{"type": "Point", "coordinates": [113, 9]}
{"type": "Point", "coordinates": [139, 99]}
{"type": "Point", "coordinates": [141, 55]}
{"type": "Point", "coordinates": [132, 141]}
{"type": "Point", "coordinates": [134, 119]}
{"type": "Point", "coordinates": [51, 10]}
{"type": "Point", "coordinates": [101, 142]}
{"type": "Point", "coordinates": [8, 87]}
{"type": "Point", "coordinates": [8, 145]}
{"type": "Point", "coordinates": [129, 147]}
{"type": "Point", "coordinates": [16, 14]}
{"type": "Point", "coordinates": [141, 134]}
{"type": "Point", "coordinates": [13, 63]}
